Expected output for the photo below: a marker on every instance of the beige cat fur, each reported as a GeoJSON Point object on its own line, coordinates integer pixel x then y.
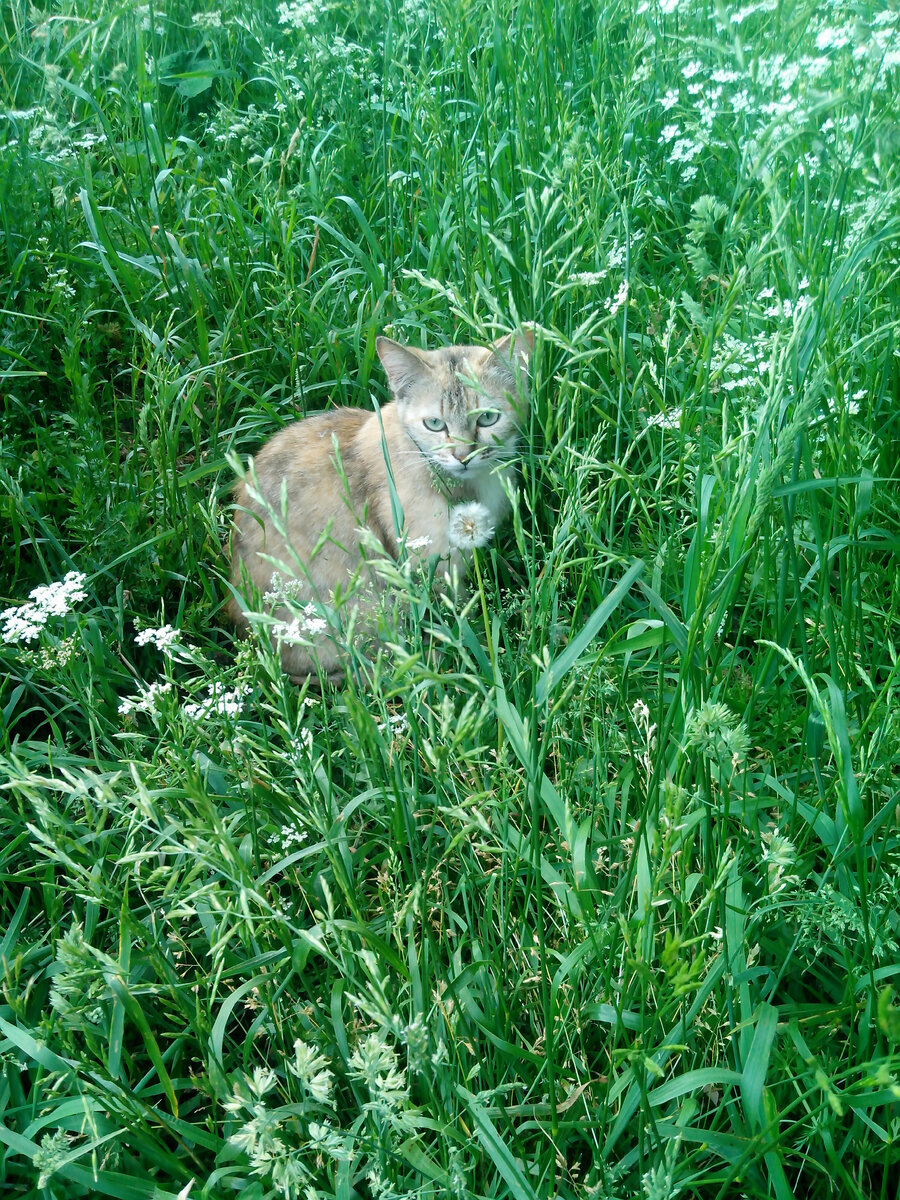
{"type": "Point", "coordinates": [474, 393]}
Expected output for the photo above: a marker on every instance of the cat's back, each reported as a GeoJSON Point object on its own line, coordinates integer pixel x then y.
{"type": "Point", "coordinates": [303, 453]}
{"type": "Point", "coordinates": [299, 466]}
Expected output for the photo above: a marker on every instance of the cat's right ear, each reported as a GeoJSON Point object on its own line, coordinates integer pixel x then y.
{"type": "Point", "coordinates": [403, 366]}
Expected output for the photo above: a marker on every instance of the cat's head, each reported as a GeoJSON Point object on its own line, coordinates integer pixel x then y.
{"type": "Point", "coordinates": [462, 406]}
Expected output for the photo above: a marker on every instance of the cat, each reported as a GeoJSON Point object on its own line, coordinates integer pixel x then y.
{"type": "Point", "coordinates": [319, 491]}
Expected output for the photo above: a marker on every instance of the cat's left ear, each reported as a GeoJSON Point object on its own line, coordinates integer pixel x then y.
{"type": "Point", "coordinates": [404, 366]}
{"type": "Point", "coordinates": [516, 347]}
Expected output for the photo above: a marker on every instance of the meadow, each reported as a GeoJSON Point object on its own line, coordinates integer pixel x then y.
{"type": "Point", "coordinates": [587, 886]}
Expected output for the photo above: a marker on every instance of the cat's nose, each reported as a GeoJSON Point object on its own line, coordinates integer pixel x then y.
{"type": "Point", "coordinates": [462, 451]}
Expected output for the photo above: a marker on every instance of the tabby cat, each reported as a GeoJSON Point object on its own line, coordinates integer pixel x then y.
{"type": "Point", "coordinates": [321, 489]}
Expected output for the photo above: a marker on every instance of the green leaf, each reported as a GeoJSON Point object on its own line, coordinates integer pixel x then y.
{"type": "Point", "coordinates": [693, 1081]}
{"type": "Point", "coordinates": [496, 1149]}
{"type": "Point", "coordinates": [755, 1068]}
{"type": "Point", "coordinates": [136, 1014]}
{"type": "Point", "coordinates": [560, 667]}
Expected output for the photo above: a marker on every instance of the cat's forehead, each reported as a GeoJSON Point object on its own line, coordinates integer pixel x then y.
{"type": "Point", "coordinates": [458, 363]}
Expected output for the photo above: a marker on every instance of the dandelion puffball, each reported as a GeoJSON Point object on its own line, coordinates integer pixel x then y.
{"type": "Point", "coordinates": [471, 526]}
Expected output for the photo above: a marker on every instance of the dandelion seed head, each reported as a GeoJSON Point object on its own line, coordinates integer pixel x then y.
{"type": "Point", "coordinates": [471, 526]}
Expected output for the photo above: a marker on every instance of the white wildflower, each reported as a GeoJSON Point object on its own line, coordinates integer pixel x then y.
{"type": "Point", "coordinates": [298, 13]}
{"type": "Point", "coordinates": [207, 20]}
{"type": "Point", "coordinates": [614, 303]}
{"type": "Point", "coordinates": [397, 724]}
{"type": "Point", "coordinates": [59, 655]}
{"type": "Point", "coordinates": [162, 638]}
{"type": "Point", "coordinates": [669, 100]}
{"type": "Point", "coordinates": [24, 623]}
{"type": "Point", "coordinates": [283, 588]}
{"type": "Point", "coordinates": [419, 543]}
{"type": "Point", "coordinates": [308, 624]}
{"type": "Point", "coordinates": [58, 277]}
{"type": "Point", "coordinates": [671, 419]}
{"type": "Point", "coordinates": [833, 39]}
{"type": "Point", "coordinates": [147, 700]}
{"type": "Point", "coordinates": [219, 700]}
{"type": "Point", "coordinates": [587, 278]}
{"type": "Point", "coordinates": [471, 525]}
{"type": "Point", "coordinates": [291, 837]}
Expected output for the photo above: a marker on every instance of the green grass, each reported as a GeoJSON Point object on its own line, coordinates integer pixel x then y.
{"type": "Point", "coordinates": [591, 888]}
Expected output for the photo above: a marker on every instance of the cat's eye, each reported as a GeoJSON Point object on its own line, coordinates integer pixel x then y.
{"type": "Point", "coordinates": [435, 424]}
{"type": "Point", "coordinates": [490, 417]}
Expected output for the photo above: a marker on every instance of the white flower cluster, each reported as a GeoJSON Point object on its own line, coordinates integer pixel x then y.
{"type": "Point", "coordinates": [613, 303]}
{"type": "Point", "coordinates": [304, 627]}
{"type": "Point", "coordinates": [298, 13]}
{"type": "Point", "coordinates": [219, 700]}
{"type": "Point", "coordinates": [161, 638]}
{"type": "Point", "coordinates": [471, 525]}
{"type": "Point", "coordinates": [669, 419]}
{"type": "Point", "coordinates": [283, 588]}
{"type": "Point", "coordinates": [146, 701]}
{"type": "Point", "coordinates": [587, 278]}
{"type": "Point", "coordinates": [397, 724]}
{"type": "Point", "coordinates": [616, 257]}
{"type": "Point", "coordinates": [24, 624]}
{"type": "Point", "coordinates": [207, 20]}
{"type": "Point", "coordinates": [290, 837]}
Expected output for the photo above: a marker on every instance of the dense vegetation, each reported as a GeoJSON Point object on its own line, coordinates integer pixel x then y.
{"type": "Point", "coordinates": [588, 887]}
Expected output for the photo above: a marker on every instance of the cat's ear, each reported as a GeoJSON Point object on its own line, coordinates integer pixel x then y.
{"type": "Point", "coordinates": [403, 365]}
{"type": "Point", "coordinates": [515, 348]}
